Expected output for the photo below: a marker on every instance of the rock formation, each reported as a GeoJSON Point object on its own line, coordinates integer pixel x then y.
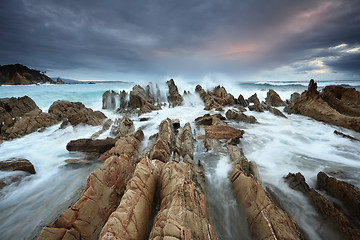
{"type": "Point", "coordinates": [312, 104]}
{"type": "Point", "coordinates": [90, 145]}
{"type": "Point", "coordinates": [21, 116]}
{"type": "Point", "coordinates": [163, 147]}
{"type": "Point", "coordinates": [266, 220]}
{"type": "Point", "coordinates": [101, 196]}
{"type": "Point", "coordinates": [18, 74]}
{"type": "Point", "coordinates": [17, 164]}
{"type": "Point", "coordinates": [345, 192]}
{"type": "Point", "coordinates": [209, 102]}
{"type": "Point", "coordinates": [110, 100]}
{"type": "Point", "coordinates": [174, 98]}
{"type": "Point", "coordinates": [323, 206]}
{"type": "Point", "coordinates": [184, 145]}
{"type": "Point", "coordinates": [216, 98]}
{"type": "Point", "coordinates": [242, 102]}
{"type": "Point", "coordinates": [183, 213]}
{"type": "Point", "coordinates": [239, 116]}
{"type": "Point", "coordinates": [222, 132]}
{"type": "Point", "coordinates": [122, 127]}
{"type": "Point", "coordinates": [207, 119]}
{"type": "Point", "coordinates": [131, 220]}
{"type": "Point", "coordinates": [273, 99]}
{"type": "Point", "coordinates": [76, 113]}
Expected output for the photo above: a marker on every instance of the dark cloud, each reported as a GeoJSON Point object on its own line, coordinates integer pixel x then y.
{"type": "Point", "coordinates": [91, 38]}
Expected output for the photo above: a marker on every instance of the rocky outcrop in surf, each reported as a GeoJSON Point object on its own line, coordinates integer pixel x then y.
{"type": "Point", "coordinates": [215, 98]}
{"type": "Point", "coordinates": [323, 206]}
{"type": "Point", "coordinates": [174, 98]}
{"type": "Point", "coordinates": [327, 108]}
{"type": "Point", "coordinates": [101, 196]}
{"type": "Point", "coordinates": [273, 99]}
{"type": "Point", "coordinates": [239, 116]}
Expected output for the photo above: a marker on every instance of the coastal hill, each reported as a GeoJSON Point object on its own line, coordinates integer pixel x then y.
{"type": "Point", "coordinates": [17, 74]}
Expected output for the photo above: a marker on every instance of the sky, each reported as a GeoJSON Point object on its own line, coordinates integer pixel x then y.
{"type": "Point", "coordinates": [244, 40]}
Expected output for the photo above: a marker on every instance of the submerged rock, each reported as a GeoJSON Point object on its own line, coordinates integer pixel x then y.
{"type": "Point", "coordinates": [323, 206]}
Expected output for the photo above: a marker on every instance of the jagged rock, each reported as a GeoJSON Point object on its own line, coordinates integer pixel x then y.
{"type": "Point", "coordinates": [294, 96]}
{"type": "Point", "coordinates": [122, 127]}
{"type": "Point", "coordinates": [273, 99]}
{"type": "Point", "coordinates": [322, 205]}
{"type": "Point", "coordinates": [242, 101]}
{"type": "Point", "coordinates": [311, 104]}
{"type": "Point", "coordinates": [256, 108]}
{"type": "Point", "coordinates": [138, 97]}
{"type": "Point", "coordinates": [76, 113]}
{"type": "Point", "coordinates": [207, 119]}
{"type": "Point", "coordinates": [184, 144]}
{"type": "Point", "coordinates": [239, 116]}
{"type": "Point", "coordinates": [17, 107]}
{"type": "Point", "coordinates": [90, 145]}
{"type": "Point", "coordinates": [17, 164]}
{"type": "Point", "coordinates": [333, 95]}
{"type": "Point", "coordinates": [125, 145]}
{"type": "Point", "coordinates": [176, 124]}
{"type": "Point", "coordinates": [101, 196]}
{"type": "Point", "coordinates": [28, 123]}
{"type": "Point", "coordinates": [254, 99]}
{"type": "Point", "coordinates": [183, 213]}
{"type": "Point", "coordinates": [222, 132]}
{"type": "Point", "coordinates": [110, 99]}
{"type": "Point", "coordinates": [163, 147]}
{"type": "Point", "coordinates": [266, 220]}
{"type": "Point", "coordinates": [345, 192]}
{"type": "Point", "coordinates": [131, 219]}
{"type": "Point", "coordinates": [209, 102]}
{"type": "Point", "coordinates": [174, 98]}
{"type": "Point", "coordinates": [222, 96]}
{"type": "Point", "coordinates": [274, 111]}
{"type": "Point", "coordinates": [345, 135]}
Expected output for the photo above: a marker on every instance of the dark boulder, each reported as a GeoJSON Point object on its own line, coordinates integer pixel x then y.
{"type": "Point", "coordinates": [17, 164]}
{"type": "Point", "coordinates": [273, 99]}
{"type": "Point", "coordinates": [174, 98]}
{"type": "Point", "coordinates": [239, 116]}
{"type": "Point", "coordinates": [90, 145]}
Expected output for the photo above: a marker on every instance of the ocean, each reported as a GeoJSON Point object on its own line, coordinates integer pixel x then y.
{"type": "Point", "coordinates": [277, 145]}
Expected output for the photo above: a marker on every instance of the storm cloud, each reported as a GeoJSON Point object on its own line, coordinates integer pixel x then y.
{"type": "Point", "coordinates": [114, 39]}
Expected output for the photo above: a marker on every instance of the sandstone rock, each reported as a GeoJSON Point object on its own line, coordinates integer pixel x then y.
{"type": "Point", "coordinates": [348, 96]}
{"type": "Point", "coordinates": [184, 144]}
{"type": "Point", "coordinates": [174, 98]}
{"type": "Point", "coordinates": [238, 157]}
{"type": "Point", "coordinates": [183, 213]}
{"type": "Point", "coordinates": [17, 107]}
{"type": "Point", "coordinates": [29, 123]}
{"type": "Point", "coordinates": [138, 97]}
{"type": "Point", "coordinates": [122, 127]}
{"type": "Point", "coordinates": [239, 116]}
{"type": "Point", "coordinates": [209, 102]}
{"type": "Point", "coordinates": [345, 192]}
{"type": "Point", "coordinates": [266, 220]}
{"type": "Point", "coordinates": [89, 145]}
{"type": "Point", "coordinates": [131, 219]}
{"type": "Point", "coordinates": [323, 206]}
{"type": "Point", "coordinates": [207, 119]}
{"type": "Point", "coordinates": [274, 111]}
{"type": "Point", "coordinates": [254, 99]}
{"type": "Point", "coordinates": [105, 127]}
{"type": "Point", "coordinates": [256, 108]}
{"type": "Point", "coordinates": [222, 132]}
{"type": "Point", "coordinates": [17, 164]}
{"type": "Point", "coordinates": [163, 147]}
{"type": "Point", "coordinates": [311, 104]}
{"type": "Point", "coordinates": [101, 196]}
{"type": "Point", "coordinates": [242, 101]}
{"type": "Point", "coordinates": [273, 99]}
{"type": "Point", "coordinates": [222, 96]}
{"type": "Point", "coordinates": [76, 113]}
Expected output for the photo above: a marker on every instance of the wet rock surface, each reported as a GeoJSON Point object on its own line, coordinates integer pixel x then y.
{"type": "Point", "coordinates": [239, 116]}
{"type": "Point", "coordinates": [164, 145]}
{"type": "Point", "coordinates": [323, 206]}
{"type": "Point", "coordinates": [273, 99]}
{"type": "Point", "coordinates": [208, 119]}
{"type": "Point", "coordinates": [222, 132]}
{"type": "Point", "coordinates": [122, 127]}
{"type": "Point", "coordinates": [17, 164]}
{"type": "Point", "coordinates": [90, 145]}
{"type": "Point", "coordinates": [174, 98]}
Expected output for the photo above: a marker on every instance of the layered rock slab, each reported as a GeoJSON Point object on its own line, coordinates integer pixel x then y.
{"type": "Point", "coordinates": [265, 218]}
{"type": "Point", "coordinates": [132, 217]}
{"type": "Point", "coordinates": [101, 196]}
{"type": "Point", "coordinates": [183, 213]}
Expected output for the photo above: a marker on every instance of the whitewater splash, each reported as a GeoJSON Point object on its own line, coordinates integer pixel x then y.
{"type": "Point", "coordinates": [277, 145]}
